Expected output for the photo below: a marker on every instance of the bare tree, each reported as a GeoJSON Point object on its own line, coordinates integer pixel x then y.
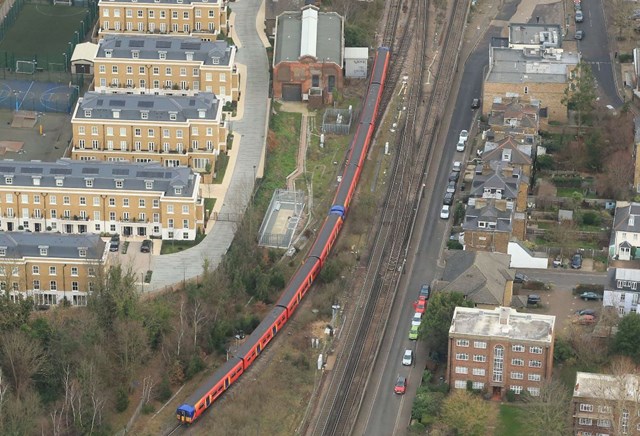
{"type": "Point", "coordinates": [180, 329]}
{"type": "Point", "coordinates": [547, 414]}
{"type": "Point", "coordinates": [130, 346]}
{"type": "Point", "coordinates": [198, 318]}
{"type": "Point", "coordinates": [21, 358]}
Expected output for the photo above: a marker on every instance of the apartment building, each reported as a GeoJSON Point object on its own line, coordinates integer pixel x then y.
{"type": "Point", "coordinates": [606, 404]}
{"type": "Point", "coordinates": [166, 65]}
{"type": "Point", "coordinates": [500, 350]}
{"type": "Point", "coordinates": [50, 267]}
{"type": "Point", "coordinates": [622, 291]}
{"type": "Point", "coordinates": [169, 130]}
{"type": "Point", "coordinates": [94, 197]}
{"type": "Point", "coordinates": [202, 18]}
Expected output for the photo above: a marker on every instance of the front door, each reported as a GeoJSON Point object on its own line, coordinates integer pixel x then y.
{"type": "Point", "coordinates": [37, 227]}
{"type": "Point", "coordinates": [68, 228]}
{"type": "Point", "coordinates": [126, 231]}
{"type": "Point", "coordinates": [9, 226]}
{"type": "Point", "coordinates": [142, 231]}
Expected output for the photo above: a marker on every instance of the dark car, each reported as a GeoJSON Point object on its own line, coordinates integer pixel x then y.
{"type": "Point", "coordinates": [533, 299]}
{"type": "Point", "coordinates": [448, 198]}
{"type": "Point", "coordinates": [146, 246]}
{"type": "Point", "coordinates": [425, 291]}
{"type": "Point", "coordinates": [475, 103]}
{"type": "Point", "coordinates": [581, 312]}
{"type": "Point", "coordinates": [576, 261]}
{"type": "Point", "coordinates": [454, 176]}
{"type": "Point", "coordinates": [400, 386]}
{"type": "Point", "coordinates": [451, 187]}
{"type": "Point", "coordinates": [114, 243]}
{"type": "Point", "coordinates": [520, 278]}
{"type": "Point", "coordinates": [590, 296]}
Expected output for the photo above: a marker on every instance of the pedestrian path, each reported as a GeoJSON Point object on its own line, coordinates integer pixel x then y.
{"type": "Point", "coordinates": [248, 161]}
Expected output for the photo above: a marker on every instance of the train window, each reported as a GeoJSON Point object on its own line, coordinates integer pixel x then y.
{"type": "Point", "coordinates": [200, 406]}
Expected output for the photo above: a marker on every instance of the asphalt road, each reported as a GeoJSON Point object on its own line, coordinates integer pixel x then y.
{"type": "Point", "coordinates": [566, 278]}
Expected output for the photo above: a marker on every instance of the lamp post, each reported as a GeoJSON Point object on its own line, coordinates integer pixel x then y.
{"type": "Point", "coordinates": [65, 61]}
{"type": "Point", "coordinates": [77, 37]}
{"type": "Point", "coordinates": [82, 22]}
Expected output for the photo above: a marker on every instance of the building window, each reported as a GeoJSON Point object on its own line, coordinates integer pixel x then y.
{"type": "Point", "coordinates": [462, 370]}
{"type": "Point", "coordinates": [52, 270]}
{"type": "Point", "coordinates": [535, 363]}
{"type": "Point", "coordinates": [53, 285]}
{"type": "Point", "coordinates": [35, 269]}
{"type": "Point", "coordinates": [535, 350]}
{"type": "Point", "coordinates": [462, 356]}
{"type": "Point", "coordinates": [517, 348]}
{"type": "Point", "coordinates": [74, 286]}
{"type": "Point", "coordinates": [119, 184]}
{"type": "Point", "coordinates": [82, 252]}
{"type": "Point", "coordinates": [517, 362]}
{"type": "Point", "coordinates": [460, 384]}
{"type": "Point", "coordinates": [479, 371]}
{"type": "Point", "coordinates": [479, 358]}
{"type": "Point", "coordinates": [517, 375]}
{"type": "Point", "coordinates": [535, 377]}
{"type": "Point", "coordinates": [534, 392]}
{"type": "Point", "coordinates": [74, 271]}
{"type": "Point", "coordinates": [36, 285]}
{"type": "Point", "coordinates": [480, 344]}
{"type": "Point", "coordinates": [498, 362]}
{"type": "Point", "coordinates": [43, 251]}
{"type": "Point", "coordinates": [477, 385]}
{"type": "Point", "coordinates": [603, 423]}
{"type": "Point", "coordinates": [516, 389]}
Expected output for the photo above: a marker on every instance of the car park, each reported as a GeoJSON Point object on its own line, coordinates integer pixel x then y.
{"type": "Point", "coordinates": [413, 333]}
{"type": "Point", "coordinates": [579, 35]}
{"type": "Point", "coordinates": [417, 319]}
{"type": "Point", "coordinates": [590, 296]}
{"type": "Point", "coordinates": [425, 291]}
{"type": "Point", "coordinates": [457, 166]}
{"type": "Point", "coordinates": [533, 299]}
{"type": "Point", "coordinates": [451, 186]}
{"type": "Point", "coordinates": [444, 212]}
{"type": "Point", "coordinates": [146, 246]}
{"type": "Point", "coordinates": [407, 358]}
{"type": "Point", "coordinates": [520, 278]}
{"type": "Point", "coordinates": [576, 261]}
{"type": "Point", "coordinates": [420, 305]}
{"type": "Point", "coordinates": [454, 176]}
{"type": "Point", "coordinates": [448, 198]}
{"type": "Point", "coordinates": [114, 243]}
{"type": "Point", "coordinates": [400, 386]}
{"type": "Point", "coordinates": [579, 17]}
{"type": "Point", "coordinates": [475, 103]}
{"type": "Point", "coordinates": [586, 312]}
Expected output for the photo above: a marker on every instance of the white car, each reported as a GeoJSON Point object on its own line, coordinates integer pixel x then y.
{"type": "Point", "coordinates": [444, 212]}
{"type": "Point", "coordinates": [460, 146]}
{"type": "Point", "coordinates": [464, 135]}
{"type": "Point", "coordinates": [407, 358]}
{"type": "Point", "coordinates": [457, 166]}
{"type": "Point", "coordinates": [417, 319]}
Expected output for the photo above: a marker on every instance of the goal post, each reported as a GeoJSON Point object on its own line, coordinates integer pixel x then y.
{"type": "Point", "coordinates": [25, 67]}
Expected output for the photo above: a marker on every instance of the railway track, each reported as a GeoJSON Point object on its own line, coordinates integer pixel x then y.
{"type": "Point", "coordinates": [364, 334]}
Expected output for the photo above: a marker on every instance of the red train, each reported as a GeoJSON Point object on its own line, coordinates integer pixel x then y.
{"type": "Point", "coordinates": [301, 281]}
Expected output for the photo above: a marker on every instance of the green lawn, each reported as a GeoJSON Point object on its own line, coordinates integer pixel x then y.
{"type": "Point", "coordinates": [42, 31]}
{"type": "Point", "coordinates": [510, 421]}
{"type": "Point", "coordinates": [172, 246]}
{"type": "Point", "coordinates": [221, 167]}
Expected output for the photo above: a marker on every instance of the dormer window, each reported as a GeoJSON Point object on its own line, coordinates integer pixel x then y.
{"type": "Point", "coordinates": [148, 184]}
{"type": "Point", "coordinates": [201, 113]}
{"type": "Point", "coordinates": [163, 55]}
{"type": "Point", "coordinates": [59, 181]}
{"type": "Point", "coordinates": [492, 226]}
{"type": "Point", "coordinates": [87, 113]}
{"type": "Point", "coordinates": [44, 249]}
{"type": "Point", "coordinates": [88, 183]}
{"type": "Point", "coordinates": [173, 116]}
{"type": "Point", "coordinates": [108, 53]}
{"type": "Point", "coordinates": [144, 115]}
{"type": "Point", "coordinates": [36, 181]}
{"type": "Point", "coordinates": [178, 191]}
{"type": "Point", "coordinates": [116, 114]}
{"type": "Point", "coordinates": [3, 251]}
{"type": "Point", "coordinates": [8, 180]}
{"type": "Point", "coordinates": [189, 55]}
{"type": "Point", "coordinates": [135, 54]}
{"type": "Point", "coordinates": [119, 184]}
{"type": "Point", "coordinates": [215, 60]}
{"type": "Point", "coordinates": [82, 252]}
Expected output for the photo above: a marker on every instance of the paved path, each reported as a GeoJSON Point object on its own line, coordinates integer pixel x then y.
{"type": "Point", "coordinates": [302, 153]}
{"type": "Point", "coordinates": [171, 268]}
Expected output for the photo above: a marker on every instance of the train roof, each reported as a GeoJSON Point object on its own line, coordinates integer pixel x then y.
{"type": "Point", "coordinates": [257, 333]}
{"type": "Point", "coordinates": [211, 381]}
{"type": "Point", "coordinates": [296, 281]}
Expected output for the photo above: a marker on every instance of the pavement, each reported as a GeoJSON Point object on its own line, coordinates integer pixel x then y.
{"type": "Point", "coordinates": [247, 156]}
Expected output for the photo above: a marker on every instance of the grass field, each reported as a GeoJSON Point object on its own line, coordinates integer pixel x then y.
{"type": "Point", "coordinates": [44, 31]}
{"type": "Point", "coordinates": [510, 421]}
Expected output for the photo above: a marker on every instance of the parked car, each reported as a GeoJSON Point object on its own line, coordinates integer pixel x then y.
{"type": "Point", "coordinates": [533, 299]}
{"type": "Point", "coordinates": [407, 358]}
{"type": "Point", "coordinates": [454, 176]}
{"type": "Point", "coordinates": [417, 319]}
{"type": "Point", "coordinates": [420, 305]}
{"type": "Point", "coordinates": [586, 312]}
{"type": "Point", "coordinates": [590, 296]}
{"type": "Point", "coordinates": [444, 212]}
{"type": "Point", "coordinates": [520, 278]}
{"type": "Point", "coordinates": [464, 135]}
{"type": "Point", "coordinates": [400, 386]}
{"type": "Point", "coordinates": [448, 198]}
{"type": "Point", "coordinates": [413, 333]}
{"type": "Point", "coordinates": [576, 261]}
{"type": "Point", "coordinates": [451, 186]}
{"type": "Point", "coordinates": [585, 319]}
{"type": "Point", "coordinates": [146, 246]}
{"type": "Point", "coordinates": [457, 166]}
{"type": "Point", "coordinates": [579, 35]}
{"type": "Point", "coordinates": [579, 17]}
{"type": "Point", "coordinates": [425, 291]}
{"type": "Point", "coordinates": [114, 243]}
{"type": "Point", "coordinates": [475, 103]}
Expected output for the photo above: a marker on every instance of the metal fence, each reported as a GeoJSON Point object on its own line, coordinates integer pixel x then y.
{"type": "Point", "coordinates": [282, 218]}
{"type": "Point", "coordinates": [337, 121]}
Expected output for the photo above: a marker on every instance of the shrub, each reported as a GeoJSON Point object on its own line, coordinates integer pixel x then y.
{"type": "Point", "coordinates": [591, 218]}
{"type": "Point", "coordinates": [122, 400]}
{"type": "Point", "coordinates": [194, 366]}
{"type": "Point", "coordinates": [545, 162]}
{"type": "Point", "coordinates": [148, 408]}
{"type": "Point", "coordinates": [625, 58]}
{"type": "Point", "coordinates": [454, 245]}
{"type": "Point", "coordinates": [579, 289]}
{"type": "Point", "coordinates": [511, 396]}
{"type": "Point", "coordinates": [164, 389]}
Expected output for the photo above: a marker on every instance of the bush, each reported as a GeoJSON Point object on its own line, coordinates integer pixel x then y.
{"type": "Point", "coordinates": [194, 366]}
{"type": "Point", "coordinates": [545, 162]}
{"type": "Point", "coordinates": [164, 389]}
{"type": "Point", "coordinates": [625, 58]}
{"type": "Point", "coordinates": [122, 400]}
{"type": "Point", "coordinates": [454, 245]}
{"type": "Point", "coordinates": [511, 396]}
{"type": "Point", "coordinates": [598, 289]}
{"type": "Point", "coordinates": [591, 218]}
{"type": "Point", "coordinates": [148, 409]}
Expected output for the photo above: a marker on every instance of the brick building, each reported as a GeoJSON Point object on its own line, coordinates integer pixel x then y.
{"type": "Point", "coordinates": [307, 59]}
{"type": "Point", "coordinates": [50, 267]}
{"type": "Point", "coordinates": [510, 117]}
{"type": "Point", "coordinates": [166, 65]}
{"type": "Point", "coordinates": [169, 130]}
{"type": "Point", "coordinates": [94, 197]}
{"type": "Point", "coordinates": [500, 350]}
{"type": "Point", "coordinates": [202, 18]}
{"type": "Point", "coordinates": [512, 152]}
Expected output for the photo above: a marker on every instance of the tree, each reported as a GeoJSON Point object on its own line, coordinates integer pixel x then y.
{"type": "Point", "coordinates": [467, 414]}
{"type": "Point", "coordinates": [547, 413]}
{"type": "Point", "coordinates": [20, 359]}
{"type": "Point", "coordinates": [627, 339]}
{"type": "Point", "coordinates": [616, 180]}
{"type": "Point", "coordinates": [580, 94]}
{"type": "Point", "coordinates": [437, 319]}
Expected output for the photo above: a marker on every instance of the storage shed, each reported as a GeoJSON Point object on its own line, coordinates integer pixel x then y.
{"type": "Point", "coordinates": [83, 58]}
{"type": "Point", "coordinates": [356, 61]}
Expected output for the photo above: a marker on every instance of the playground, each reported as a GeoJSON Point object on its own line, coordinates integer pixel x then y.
{"type": "Point", "coordinates": [23, 95]}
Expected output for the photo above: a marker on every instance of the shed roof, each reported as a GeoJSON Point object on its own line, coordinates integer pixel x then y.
{"type": "Point", "coordinates": [84, 52]}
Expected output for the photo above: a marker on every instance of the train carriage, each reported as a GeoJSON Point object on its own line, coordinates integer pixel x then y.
{"type": "Point", "coordinates": [262, 335]}
{"type": "Point", "coordinates": [299, 285]}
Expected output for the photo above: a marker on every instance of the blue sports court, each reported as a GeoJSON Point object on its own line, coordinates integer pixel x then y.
{"type": "Point", "coordinates": [26, 95]}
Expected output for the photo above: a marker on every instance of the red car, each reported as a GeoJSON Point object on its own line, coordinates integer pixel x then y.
{"type": "Point", "coordinates": [401, 385]}
{"type": "Point", "coordinates": [420, 306]}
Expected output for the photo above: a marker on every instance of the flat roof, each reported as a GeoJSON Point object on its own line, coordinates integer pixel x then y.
{"type": "Point", "coordinates": [502, 322]}
{"type": "Point", "coordinates": [84, 52]}
{"type": "Point", "coordinates": [535, 34]}
{"type": "Point", "coordinates": [607, 386]}
{"type": "Point", "coordinates": [521, 66]}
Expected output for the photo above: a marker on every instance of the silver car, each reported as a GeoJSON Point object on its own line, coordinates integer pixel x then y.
{"type": "Point", "coordinates": [407, 358]}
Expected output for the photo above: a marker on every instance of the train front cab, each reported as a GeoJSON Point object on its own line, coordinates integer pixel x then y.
{"type": "Point", "coordinates": [185, 413]}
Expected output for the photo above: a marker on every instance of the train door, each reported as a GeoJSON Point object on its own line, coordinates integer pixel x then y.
{"type": "Point", "coordinates": [274, 330]}
{"type": "Point", "coordinates": [207, 401]}
{"type": "Point", "coordinates": [258, 348]}
{"type": "Point", "coordinates": [226, 383]}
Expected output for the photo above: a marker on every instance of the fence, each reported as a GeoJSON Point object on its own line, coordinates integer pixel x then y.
{"type": "Point", "coordinates": [337, 121]}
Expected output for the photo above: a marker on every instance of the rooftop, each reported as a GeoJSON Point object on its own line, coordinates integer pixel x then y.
{"type": "Point", "coordinates": [164, 108]}
{"type": "Point", "coordinates": [317, 34]}
{"type": "Point", "coordinates": [607, 386]}
{"type": "Point", "coordinates": [508, 150]}
{"type": "Point", "coordinates": [18, 245]}
{"type": "Point", "coordinates": [623, 278]}
{"type": "Point", "coordinates": [497, 179]}
{"type": "Point", "coordinates": [97, 175]}
{"type": "Point", "coordinates": [512, 113]}
{"type": "Point", "coordinates": [549, 35]}
{"type": "Point", "coordinates": [627, 217]}
{"type": "Point", "coordinates": [164, 2]}
{"type": "Point", "coordinates": [175, 48]}
{"type": "Point", "coordinates": [502, 322]}
{"type": "Point", "coordinates": [530, 65]}
{"type": "Point", "coordinates": [488, 214]}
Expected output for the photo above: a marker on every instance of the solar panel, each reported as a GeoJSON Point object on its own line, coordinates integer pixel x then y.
{"type": "Point", "coordinates": [190, 46]}
{"type": "Point", "coordinates": [90, 170]}
{"type": "Point", "coordinates": [147, 104]}
{"type": "Point", "coordinates": [136, 43]}
{"type": "Point", "coordinates": [99, 102]}
{"type": "Point", "coordinates": [163, 44]}
{"type": "Point", "coordinates": [118, 43]}
{"type": "Point", "coordinates": [118, 103]}
{"type": "Point", "coordinates": [32, 170]}
{"type": "Point", "coordinates": [60, 171]}
{"type": "Point", "coordinates": [150, 174]}
{"type": "Point", "coordinates": [192, 102]}
{"type": "Point", "coordinates": [120, 172]}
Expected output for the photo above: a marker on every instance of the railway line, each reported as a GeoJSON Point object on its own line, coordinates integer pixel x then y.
{"type": "Point", "coordinates": [363, 335]}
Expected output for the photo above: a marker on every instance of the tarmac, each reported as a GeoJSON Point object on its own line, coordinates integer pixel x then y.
{"type": "Point", "coordinates": [246, 157]}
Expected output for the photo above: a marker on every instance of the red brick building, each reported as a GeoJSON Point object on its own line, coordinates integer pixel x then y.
{"type": "Point", "coordinates": [308, 56]}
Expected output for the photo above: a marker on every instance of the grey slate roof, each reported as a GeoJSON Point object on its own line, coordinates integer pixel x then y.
{"type": "Point", "coordinates": [621, 221]}
{"type": "Point", "coordinates": [26, 244]}
{"type": "Point", "coordinates": [158, 107]}
{"type": "Point", "coordinates": [520, 153]}
{"type": "Point", "coordinates": [104, 174]}
{"type": "Point", "coordinates": [480, 276]}
{"type": "Point", "coordinates": [488, 211]}
{"type": "Point", "coordinates": [496, 178]}
{"type": "Point", "coordinates": [176, 48]}
{"type": "Point", "coordinates": [329, 44]}
{"type": "Point", "coordinates": [513, 66]}
{"type": "Point", "coordinates": [164, 2]}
